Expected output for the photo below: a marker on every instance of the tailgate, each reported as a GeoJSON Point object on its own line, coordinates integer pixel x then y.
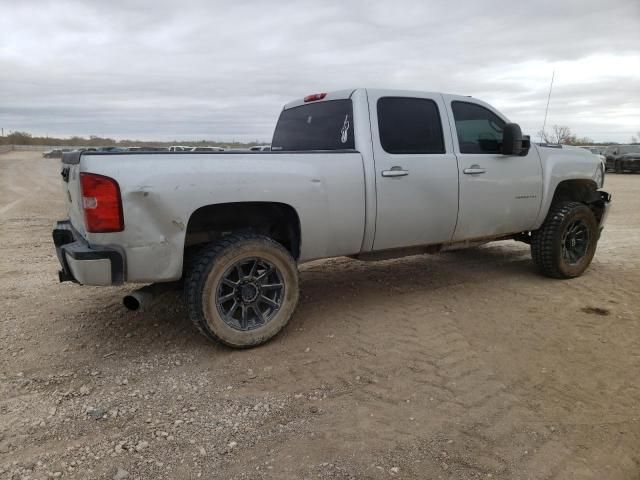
{"type": "Point", "coordinates": [71, 186]}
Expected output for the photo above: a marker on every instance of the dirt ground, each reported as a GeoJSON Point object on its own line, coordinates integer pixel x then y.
{"type": "Point", "coordinates": [455, 366]}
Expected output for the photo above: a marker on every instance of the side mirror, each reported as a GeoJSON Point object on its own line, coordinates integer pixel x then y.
{"type": "Point", "coordinates": [511, 139]}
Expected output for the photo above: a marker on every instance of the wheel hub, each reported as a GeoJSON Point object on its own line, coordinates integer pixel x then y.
{"type": "Point", "coordinates": [249, 292]}
{"type": "Point", "coordinates": [575, 242]}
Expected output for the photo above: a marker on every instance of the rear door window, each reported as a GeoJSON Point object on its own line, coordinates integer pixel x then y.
{"type": "Point", "coordinates": [315, 126]}
{"type": "Point", "coordinates": [409, 125]}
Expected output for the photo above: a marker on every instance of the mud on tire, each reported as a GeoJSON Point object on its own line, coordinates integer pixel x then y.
{"type": "Point", "coordinates": [566, 242]}
{"type": "Point", "coordinates": [241, 290]}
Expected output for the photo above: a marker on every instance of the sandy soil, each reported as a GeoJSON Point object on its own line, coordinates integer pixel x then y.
{"type": "Point", "coordinates": [455, 366]}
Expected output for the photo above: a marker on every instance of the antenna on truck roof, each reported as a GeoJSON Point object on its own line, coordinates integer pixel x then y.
{"type": "Point", "coordinates": [546, 111]}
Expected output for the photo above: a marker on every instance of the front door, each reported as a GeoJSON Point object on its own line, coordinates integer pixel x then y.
{"type": "Point", "coordinates": [416, 170]}
{"type": "Point", "coordinates": [499, 194]}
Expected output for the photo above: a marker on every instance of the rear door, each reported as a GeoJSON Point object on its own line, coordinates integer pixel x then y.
{"type": "Point", "coordinates": [416, 169]}
{"type": "Point", "coordinates": [499, 194]}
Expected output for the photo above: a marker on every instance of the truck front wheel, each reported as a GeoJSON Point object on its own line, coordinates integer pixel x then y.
{"type": "Point", "coordinates": [564, 245]}
{"type": "Point", "coordinates": [242, 290]}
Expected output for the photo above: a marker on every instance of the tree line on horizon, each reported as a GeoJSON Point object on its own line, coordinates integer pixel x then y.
{"type": "Point", "coordinates": [562, 135]}
{"type": "Point", "coordinates": [559, 134]}
{"type": "Point", "coordinates": [25, 138]}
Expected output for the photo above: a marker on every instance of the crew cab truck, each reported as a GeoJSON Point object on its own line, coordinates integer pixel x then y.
{"type": "Point", "coordinates": [365, 173]}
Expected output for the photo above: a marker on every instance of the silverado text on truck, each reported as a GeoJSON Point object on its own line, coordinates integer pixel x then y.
{"type": "Point", "coordinates": [366, 173]}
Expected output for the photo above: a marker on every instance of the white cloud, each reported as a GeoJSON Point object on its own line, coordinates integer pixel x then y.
{"type": "Point", "coordinates": [223, 69]}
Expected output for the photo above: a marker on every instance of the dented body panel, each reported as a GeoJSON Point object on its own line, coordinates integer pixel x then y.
{"type": "Point", "coordinates": [161, 192]}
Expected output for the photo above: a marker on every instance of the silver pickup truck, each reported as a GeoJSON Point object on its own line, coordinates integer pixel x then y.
{"type": "Point", "coordinates": [366, 173]}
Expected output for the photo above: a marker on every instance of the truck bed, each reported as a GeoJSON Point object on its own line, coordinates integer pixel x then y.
{"type": "Point", "coordinates": [161, 191]}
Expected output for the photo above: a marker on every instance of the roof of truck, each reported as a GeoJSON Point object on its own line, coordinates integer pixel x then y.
{"type": "Point", "coordinates": [336, 95]}
{"type": "Point", "coordinates": [348, 92]}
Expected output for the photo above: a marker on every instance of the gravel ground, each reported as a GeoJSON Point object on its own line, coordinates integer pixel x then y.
{"type": "Point", "coordinates": [463, 365]}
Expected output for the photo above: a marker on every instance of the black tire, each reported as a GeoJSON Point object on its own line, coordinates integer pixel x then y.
{"type": "Point", "coordinates": [551, 247]}
{"type": "Point", "coordinates": [216, 268]}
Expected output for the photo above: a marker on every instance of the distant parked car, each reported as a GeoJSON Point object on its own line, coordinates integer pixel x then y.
{"type": "Point", "coordinates": [622, 157]}
{"type": "Point", "coordinates": [180, 148]}
{"type": "Point", "coordinates": [208, 149]}
{"type": "Point", "coordinates": [55, 153]}
{"type": "Point", "coordinates": [597, 151]}
{"type": "Point", "coordinates": [111, 149]}
{"type": "Point", "coordinates": [260, 148]}
{"type": "Point", "coordinates": [629, 162]}
{"type": "Point", "coordinates": [154, 149]}
{"type": "Point", "coordinates": [594, 150]}
{"type": "Point", "coordinates": [148, 149]}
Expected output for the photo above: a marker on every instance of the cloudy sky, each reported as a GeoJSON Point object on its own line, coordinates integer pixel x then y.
{"type": "Point", "coordinates": [219, 69]}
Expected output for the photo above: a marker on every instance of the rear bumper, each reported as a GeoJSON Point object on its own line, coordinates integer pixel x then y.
{"type": "Point", "coordinates": [624, 164]}
{"type": "Point", "coordinates": [82, 263]}
{"type": "Point", "coordinates": [630, 164]}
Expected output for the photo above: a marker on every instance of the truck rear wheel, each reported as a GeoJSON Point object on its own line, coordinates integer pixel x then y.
{"type": "Point", "coordinates": [564, 245]}
{"type": "Point", "coordinates": [242, 290]}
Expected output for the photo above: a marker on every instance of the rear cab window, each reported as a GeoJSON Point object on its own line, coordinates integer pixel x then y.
{"type": "Point", "coordinates": [324, 125]}
{"type": "Point", "coordinates": [479, 129]}
{"type": "Point", "coordinates": [410, 126]}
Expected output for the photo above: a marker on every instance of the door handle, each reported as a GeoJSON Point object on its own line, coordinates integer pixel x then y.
{"type": "Point", "coordinates": [474, 170]}
{"type": "Point", "coordinates": [395, 172]}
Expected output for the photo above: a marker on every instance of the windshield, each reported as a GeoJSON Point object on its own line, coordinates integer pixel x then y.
{"type": "Point", "coordinates": [629, 149]}
{"type": "Point", "coordinates": [315, 126]}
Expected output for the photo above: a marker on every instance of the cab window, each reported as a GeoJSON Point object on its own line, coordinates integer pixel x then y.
{"type": "Point", "coordinates": [409, 125]}
{"type": "Point", "coordinates": [479, 129]}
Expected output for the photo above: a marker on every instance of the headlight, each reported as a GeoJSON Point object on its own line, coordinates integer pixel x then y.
{"type": "Point", "coordinates": [598, 177]}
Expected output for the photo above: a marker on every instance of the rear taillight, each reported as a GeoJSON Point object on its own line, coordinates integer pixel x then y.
{"type": "Point", "coordinates": [315, 97]}
{"type": "Point", "coordinates": [101, 203]}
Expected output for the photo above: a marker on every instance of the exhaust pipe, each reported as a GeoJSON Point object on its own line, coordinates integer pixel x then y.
{"type": "Point", "coordinates": [144, 298]}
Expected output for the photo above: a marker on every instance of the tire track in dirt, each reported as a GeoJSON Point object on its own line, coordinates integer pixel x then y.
{"type": "Point", "coordinates": [428, 365]}
{"type": "Point", "coordinates": [425, 392]}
